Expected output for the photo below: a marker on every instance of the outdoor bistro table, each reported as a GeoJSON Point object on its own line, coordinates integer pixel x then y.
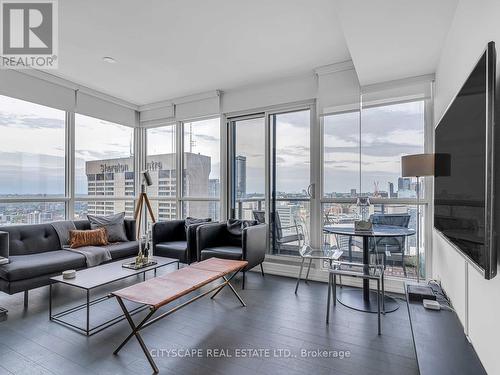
{"type": "Point", "coordinates": [364, 299]}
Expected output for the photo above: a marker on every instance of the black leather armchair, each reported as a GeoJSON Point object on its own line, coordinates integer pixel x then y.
{"type": "Point", "coordinates": [217, 241]}
{"type": "Point", "coordinates": [172, 240]}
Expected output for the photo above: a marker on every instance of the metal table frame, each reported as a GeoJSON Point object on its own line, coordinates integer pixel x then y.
{"type": "Point", "coordinates": [146, 322]}
{"type": "Point", "coordinates": [88, 330]}
{"type": "Point", "coordinates": [365, 300]}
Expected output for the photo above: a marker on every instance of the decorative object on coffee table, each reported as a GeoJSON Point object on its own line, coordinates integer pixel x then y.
{"type": "Point", "coordinates": [139, 259]}
{"type": "Point", "coordinates": [137, 266]}
{"type": "Point", "coordinates": [69, 274]}
{"type": "Point", "coordinates": [143, 198]}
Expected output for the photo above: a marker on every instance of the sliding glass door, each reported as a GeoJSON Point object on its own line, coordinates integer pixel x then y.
{"type": "Point", "coordinates": [270, 175]}
{"type": "Point", "coordinates": [290, 206]}
{"type": "Point", "coordinates": [248, 160]}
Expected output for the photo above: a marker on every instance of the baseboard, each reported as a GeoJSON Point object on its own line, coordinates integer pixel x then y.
{"type": "Point", "coordinates": [273, 267]}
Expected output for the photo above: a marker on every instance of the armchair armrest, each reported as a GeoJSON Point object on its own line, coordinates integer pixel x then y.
{"type": "Point", "coordinates": [254, 244]}
{"type": "Point", "coordinates": [130, 229]}
{"type": "Point", "coordinates": [209, 235]}
{"type": "Point", "coordinates": [4, 244]}
{"type": "Point", "coordinates": [164, 231]}
{"type": "Point", "coordinates": [192, 253]}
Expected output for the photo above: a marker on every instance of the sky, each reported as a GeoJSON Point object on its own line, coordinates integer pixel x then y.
{"type": "Point", "coordinates": [384, 135]}
{"type": "Point", "coordinates": [32, 147]}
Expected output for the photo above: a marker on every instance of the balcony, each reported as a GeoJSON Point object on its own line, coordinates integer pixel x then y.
{"type": "Point", "coordinates": [294, 217]}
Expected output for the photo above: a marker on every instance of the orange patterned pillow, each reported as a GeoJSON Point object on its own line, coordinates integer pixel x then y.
{"type": "Point", "coordinates": [93, 237]}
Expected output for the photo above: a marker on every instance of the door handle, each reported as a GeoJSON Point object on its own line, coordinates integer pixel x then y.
{"type": "Point", "coordinates": [311, 190]}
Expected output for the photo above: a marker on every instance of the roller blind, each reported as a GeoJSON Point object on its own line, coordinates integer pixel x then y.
{"type": "Point", "coordinates": [26, 87]}
{"type": "Point", "coordinates": [87, 104]}
{"type": "Point", "coordinates": [156, 115]}
{"type": "Point", "coordinates": [416, 88]}
{"type": "Point", "coordinates": [338, 90]}
{"type": "Point", "coordinates": [197, 106]}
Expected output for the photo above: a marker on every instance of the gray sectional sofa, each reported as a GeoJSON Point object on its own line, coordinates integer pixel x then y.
{"type": "Point", "coordinates": [35, 255]}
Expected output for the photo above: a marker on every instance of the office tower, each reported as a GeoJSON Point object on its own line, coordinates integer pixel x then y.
{"type": "Point", "coordinates": [391, 190]}
{"type": "Point", "coordinates": [241, 176]}
{"type": "Point", "coordinates": [113, 178]}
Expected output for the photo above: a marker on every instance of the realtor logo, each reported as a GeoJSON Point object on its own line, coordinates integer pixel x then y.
{"type": "Point", "coordinates": [28, 34]}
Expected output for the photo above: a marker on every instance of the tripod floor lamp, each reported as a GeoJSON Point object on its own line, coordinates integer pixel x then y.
{"type": "Point", "coordinates": [417, 165]}
{"type": "Point", "coordinates": [143, 204]}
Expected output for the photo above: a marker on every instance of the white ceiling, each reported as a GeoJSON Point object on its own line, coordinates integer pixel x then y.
{"type": "Point", "coordinates": [393, 39]}
{"type": "Point", "coordinates": [170, 48]}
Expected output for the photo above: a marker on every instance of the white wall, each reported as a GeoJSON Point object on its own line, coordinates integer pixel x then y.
{"type": "Point", "coordinates": [476, 300]}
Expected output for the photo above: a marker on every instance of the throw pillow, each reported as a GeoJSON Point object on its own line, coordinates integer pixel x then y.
{"type": "Point", "coordinates": [193, 220]}
{"type": "Point", "coordinates": [93, 237]}
{"type": "Point", "coordinates": [114, 225]}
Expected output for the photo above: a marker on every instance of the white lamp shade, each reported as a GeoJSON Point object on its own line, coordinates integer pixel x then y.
{"type": "Point", "coordinates": [417, 165]}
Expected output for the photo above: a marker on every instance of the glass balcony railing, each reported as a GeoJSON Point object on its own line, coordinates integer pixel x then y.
{"type": "Point", "coordinates": [293, 228]}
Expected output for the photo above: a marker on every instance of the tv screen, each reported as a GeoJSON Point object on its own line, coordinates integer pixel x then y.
{"type": "Point", "coordinates": [464, 174]}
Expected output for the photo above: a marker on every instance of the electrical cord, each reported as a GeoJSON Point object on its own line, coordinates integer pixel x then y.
{"type": "Point", "coordinates": [441, 296]}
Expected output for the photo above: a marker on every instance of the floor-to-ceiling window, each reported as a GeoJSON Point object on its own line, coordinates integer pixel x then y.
{"type": "Point", "coordinates": [290, 181]}
{"type": "Point", "coordinates": [104, 167]}
{"type": "Point", "coordinates": [201, 169]}
{"type": "Point", "coordinates": [249, 179]}
{"type": "Point", "coordinates": [32, 162]}
{"type": "Point", "coordinates": [362, 153]}
{"type": "Point", "coordinates": [161, 162]}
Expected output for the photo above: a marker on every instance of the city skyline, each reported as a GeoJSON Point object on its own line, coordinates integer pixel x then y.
{"type": "Point", "coordinates": [38, 167]}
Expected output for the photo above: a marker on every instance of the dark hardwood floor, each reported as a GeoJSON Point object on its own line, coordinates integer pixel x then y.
{"type": "Point", "coordinates": [275, 322]}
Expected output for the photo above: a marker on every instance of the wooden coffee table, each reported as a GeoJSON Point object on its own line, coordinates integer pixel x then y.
{"type": "Point", "coordinates": [95, 277]}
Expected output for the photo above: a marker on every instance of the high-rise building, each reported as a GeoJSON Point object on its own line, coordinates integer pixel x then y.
{"type": "Point", "coordinates": [391, 190]}
{"type": "Point", "coordinates": [115, 178]}
{"type": "Point", "coordinates": [405, 189]}
{"type": "Point", "coordinates": [404, 183]}
{"type": "Point", "coordinates": [241, 176]}
{"type": "Point", "coordinates": [34, 217]}
{"type": "Point", "coordinates": [213, 191]}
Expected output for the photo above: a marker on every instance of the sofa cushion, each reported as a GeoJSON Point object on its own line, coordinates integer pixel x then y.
{"type": "Point", "coordinates": [194, 221]}
{"type": "Point", "coordinates": [31, 239]}
{"type": "Point", "coordinates": [172, 249]}
{"type": "Point", "coordinates": [235, 226]}
{"type": "Point", "coordinates": [27, 266]}
{"type": "Point", "coordinates": [224, 252]}
{"type": "Point", "coordinates": [129, 225]}
{"type": "Point", "coordinates": [114, 225]}
{"type": "Point", "coordinates": [123, 249]}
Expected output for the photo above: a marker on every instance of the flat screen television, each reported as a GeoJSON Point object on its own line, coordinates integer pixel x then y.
{"type": "Point", "coordinates": [465, 185]}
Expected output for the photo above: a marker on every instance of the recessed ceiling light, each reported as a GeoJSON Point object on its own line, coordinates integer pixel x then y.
{"type": "Point", "coordinates": [109, 59]}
